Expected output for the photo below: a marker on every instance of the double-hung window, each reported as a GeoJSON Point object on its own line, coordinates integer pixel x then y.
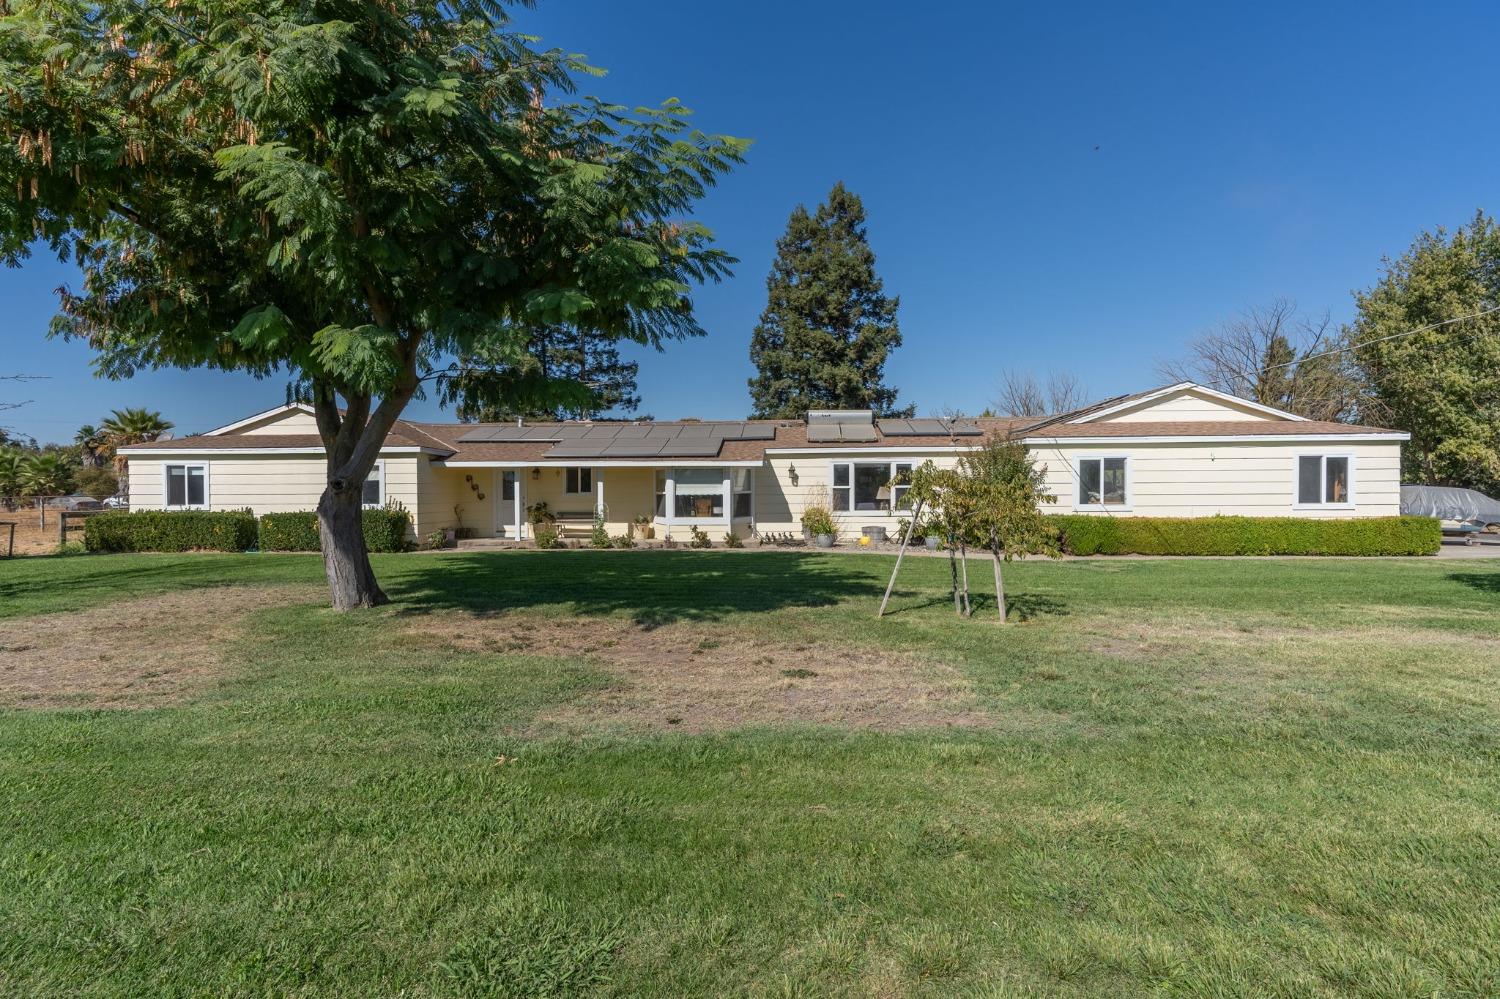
{"type": "Point", "coordinates": [187, 487]}
{"type": "Point", "coordinates": [1325, 480]}
{"type": "Point", "coordinates": [740, 480]}
{"type": "Point", "coordinates": [373, 493]}
{"type": "Point", "coordinates": [869, 487]}
{"type": "Point", "coordinates": [578, 481]}
{"type": "Point", "coordinates": [1103, 483]}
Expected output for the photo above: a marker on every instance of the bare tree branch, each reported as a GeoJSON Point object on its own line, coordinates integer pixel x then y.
{"type": "Point", "coordinates": [1266, 354]}
{"type": "Point", "coordinates": [1020, 394]}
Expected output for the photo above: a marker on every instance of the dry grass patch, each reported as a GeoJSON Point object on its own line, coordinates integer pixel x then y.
{"type": "Point", "coordinates": [129, 654]}
{"type": "Point", "coordinates": [697, 678]}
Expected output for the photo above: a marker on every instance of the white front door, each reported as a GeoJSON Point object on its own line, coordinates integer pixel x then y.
{"type": "Point", "coordinates": [505, 506]}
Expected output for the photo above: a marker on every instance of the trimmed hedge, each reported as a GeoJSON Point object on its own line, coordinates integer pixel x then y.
{"type": "Point", "coordinates": [1084, 534]}
{"type": "Point", "coordinates": [170, 531]}
{"type": "Point", "coordinates": [385, 531]}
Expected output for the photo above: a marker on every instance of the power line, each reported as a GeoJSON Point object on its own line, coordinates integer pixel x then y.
{"type": "Point", "coordinates": [1393, 336]}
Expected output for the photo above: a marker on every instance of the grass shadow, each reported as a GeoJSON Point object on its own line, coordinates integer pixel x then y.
{"type": "Point", "coordinates": [653, 588]}
{"type": "Point", "coordinates": [1485, 582]}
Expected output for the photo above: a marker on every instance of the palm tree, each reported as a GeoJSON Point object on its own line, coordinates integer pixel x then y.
{"type": "Point", "coordinates": [92, 444]}
{"type": "Point", "coordinates": [49, 474]}
{"type": "Point", "coordinates": [10, 477]}
{"type": "Point", "coordinates": [125, 427]}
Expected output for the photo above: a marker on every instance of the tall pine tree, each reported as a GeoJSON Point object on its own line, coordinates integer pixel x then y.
{"type": "Point", "coordinates": [828, 327]}
{"type": "Point", "coordinates": [579, 374]}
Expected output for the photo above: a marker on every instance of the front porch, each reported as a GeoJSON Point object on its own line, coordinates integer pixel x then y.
{"type": "Point", "coordinates": [499, 501]}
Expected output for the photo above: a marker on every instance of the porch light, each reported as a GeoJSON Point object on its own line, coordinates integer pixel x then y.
{"type": "Point", "coordinates": [791, 471]}
{"type": "Point", "coordinates": [536, 473]}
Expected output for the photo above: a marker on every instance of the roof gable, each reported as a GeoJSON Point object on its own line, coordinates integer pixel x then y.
{"type": "Point", "coordinates": [293, 418]}
{"type": "Point", "coordinates": [1185, 402]}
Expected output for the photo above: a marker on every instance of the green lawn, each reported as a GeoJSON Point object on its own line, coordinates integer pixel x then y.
{"type": "Point", "coordinates": [1189, 778]}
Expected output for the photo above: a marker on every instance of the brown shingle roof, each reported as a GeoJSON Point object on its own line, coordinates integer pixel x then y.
{"type": "Point", "coordinates": [445, 437]}
{"type": "Point", "coordinates": [1200, 428]}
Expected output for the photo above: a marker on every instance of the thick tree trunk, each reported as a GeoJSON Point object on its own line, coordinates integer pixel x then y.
{"type": "Point", "coordinates": [351, 581]}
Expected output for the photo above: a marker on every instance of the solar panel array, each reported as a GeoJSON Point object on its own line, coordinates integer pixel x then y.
{"type": "Point", "coordinates": [638, 440]}
{"type": "Point", "coordinates": [927, 428]}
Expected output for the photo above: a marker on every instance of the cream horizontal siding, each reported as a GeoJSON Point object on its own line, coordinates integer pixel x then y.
{"type": "Point", "coordinates": [267, 483]}
{"type": "Point", "coordinates": [1184, 406]}
{"type": "Point", "coordinates": [1253, 480]}
{"type": "Point", "coordinates": [779, 500]}
{"type": "Point", "coordinates": [293, 422]}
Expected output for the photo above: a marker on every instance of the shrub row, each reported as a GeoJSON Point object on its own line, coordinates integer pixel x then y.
{"type": "Point", "coordinates": [385, 531]}
{"type": "Point", "coordinates": [170, 531]}
{"type": "Point", "coordinates": [1083, 534]}
{"type": "Point", "coordinates": [230, 531]}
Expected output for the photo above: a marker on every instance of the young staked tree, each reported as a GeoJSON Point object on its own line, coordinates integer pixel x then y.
{"type": "Point", "coordinates": [348, 192]}
{"type": "Point", "coordinates": [560, 355]}
{"type": "Point", "coordinates": [1442, 383]}
{"type": "Point", "coordinates": [828, 327]}
{"type": "Point", "coordinates": [1002, 490]}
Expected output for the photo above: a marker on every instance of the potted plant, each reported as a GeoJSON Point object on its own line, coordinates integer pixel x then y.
{"type": "Point", "coordinates": [643, 527]}
{"type": "Point", "coordinates": [817, 520]}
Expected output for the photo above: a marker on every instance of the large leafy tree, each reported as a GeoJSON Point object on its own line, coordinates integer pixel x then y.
{"type": "Point", "coordinates": [828, 327]}
{"type": "Point", "coordinates": [587, 361]}
{"type": "Point", "coordinates": [1441, 384]}
{"type": "Point", "coordinates": [346, 191]}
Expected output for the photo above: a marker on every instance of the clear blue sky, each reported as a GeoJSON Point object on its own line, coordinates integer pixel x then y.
{"type": "Point", "coordinates": [1246, 152]}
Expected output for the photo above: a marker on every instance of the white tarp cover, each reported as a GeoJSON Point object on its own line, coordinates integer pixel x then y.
{"type": "Point", "coordinates": [1447, 503]}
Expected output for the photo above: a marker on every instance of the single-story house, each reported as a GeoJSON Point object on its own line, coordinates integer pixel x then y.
{"type": "Point", "coordinates": [1182, 450]}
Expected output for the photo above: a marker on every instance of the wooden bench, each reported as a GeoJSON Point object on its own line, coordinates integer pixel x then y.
{"type": "Point", "coordinates": [574, 520]}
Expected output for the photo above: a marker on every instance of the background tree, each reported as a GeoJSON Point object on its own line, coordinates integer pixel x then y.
{"type": "Point", "coordinates": [100, 483]}
{"type": "Point", "coordinates": [1021, 394]}
{"type": "Point", "coordinates": [1442, 384]}
{"type": "Point", "coordinates": [562, 355]}
{"type": "Point", "coordinates": [351, 193]}
{"type": "Point", "coordinates": [11, 483]}
{"type": "Point", "coordinates": [92, 444]}
{"type": "Point", "coordinates": [1275, 356]}
{"type": "Point", "coordinates": [828, 327]}
{"type": "Point", "coordinates": [46, 474]}
{"type": "Point", "coordinates": [1002, 490]}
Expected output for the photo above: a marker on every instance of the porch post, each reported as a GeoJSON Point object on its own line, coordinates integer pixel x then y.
{"type": "Point", "coordinates": [599, 485]}
{"type": "Point", "coordinates": [728, 498]}
{"type": "Point", "coordinates": [517, 502]}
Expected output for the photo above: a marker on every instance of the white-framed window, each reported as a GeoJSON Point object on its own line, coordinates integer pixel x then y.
{"type": "Point", "coordinates": [578, 481]}
{"type": "Point", "coordinates": [1324, 480]}
{"type": "Point", "coordinates": [373, 493]}
{"type": "Point", "coordinates": [661, 492]}
{"type": "Point", "coordinates": [186, 486]}
{"type": "Point", "coordinates": [869, 486]}
{"type": "Point", "coordinates": [1103, 483]}
{"type": "Point", "coordinates": [741, 485]}
{"type": "Point", "coordinates": [698, 494]}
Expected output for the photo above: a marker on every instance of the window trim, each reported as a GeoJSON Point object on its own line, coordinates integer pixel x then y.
{"type": "Point", "coordinates": [166, 486]}
{"type": "Point", "coordinates": [669, 518]}
{"type": "Point", "coordinates": [578, 473]}
{"type": "Point", "coordinates": [890, 464]}
{"type": "Point", "coordinates": [1297, 503]}
{"type": "Point", "coordinates": [1082, 507]}
{"type": "Point", "coordinates": [379, 470]}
